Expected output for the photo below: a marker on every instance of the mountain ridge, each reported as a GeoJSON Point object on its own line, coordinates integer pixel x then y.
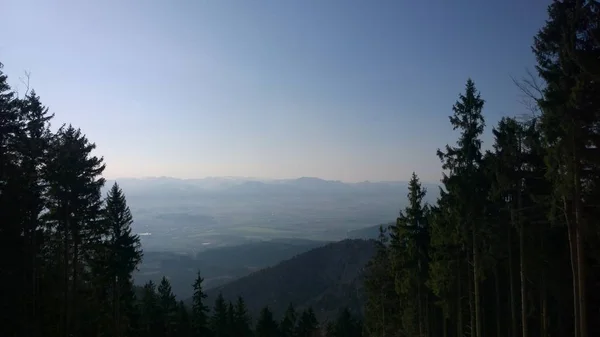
{"type": "Point", "coordinates": [243, 185]}
{"type": "Point", "coordinates": [218, 265]}
{"type": "Point", "coordinates": [325, 278]}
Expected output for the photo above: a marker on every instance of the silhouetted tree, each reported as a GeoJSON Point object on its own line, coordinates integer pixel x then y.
{"type": "Point", "coordinates": [219, 322]}
{"type": "Point", "coordinates": [307, 324]}
{"type": "Point", "coordinates": [168, 308]}
{"type": "Point", "coordinates": [288, 323]}
{"type": "Point", "coordinates": [266, 326]}
{"type": "Point", "coordinates": [199, 309]}
{"type": "Point", "coordinates": [242, 319]}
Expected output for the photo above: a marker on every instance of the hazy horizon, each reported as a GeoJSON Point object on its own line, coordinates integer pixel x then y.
{"type": "Point", "coordinates": [340, 90]}
{"type": "Point", "coordinates": [264, 179]}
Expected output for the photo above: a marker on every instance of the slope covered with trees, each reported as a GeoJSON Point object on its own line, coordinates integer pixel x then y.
{"type": "Point", "coordinates": [218, 265]}
{"type": "Point", "coordinates": [326, 278]}
{"type": "Point", "coordinates": [159, 314]}
{"type": "Point", "coordinates": [511, 247]}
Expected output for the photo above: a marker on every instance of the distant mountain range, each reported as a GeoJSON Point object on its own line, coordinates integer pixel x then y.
{"type": "Point", "coordinates": [249, 185]}
{"type": "Point", "coordinates": [326, 278]}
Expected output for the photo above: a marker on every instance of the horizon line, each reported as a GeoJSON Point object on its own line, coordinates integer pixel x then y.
{"type": "Point", "coordinates": [267, 179]}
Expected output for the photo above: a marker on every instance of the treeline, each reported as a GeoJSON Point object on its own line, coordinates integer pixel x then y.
{"type": "Point", "coordinates": [161, 315]}
{"type": "Point", "coordinates": [511, 248]}
{"type": "Point", "coordinates": [68, 253]}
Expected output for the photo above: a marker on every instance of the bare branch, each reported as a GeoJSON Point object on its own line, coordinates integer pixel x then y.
{"type": "Point", "coordinates": [532, 92]}
{"type": "Point", "coordinates": [25, 81]}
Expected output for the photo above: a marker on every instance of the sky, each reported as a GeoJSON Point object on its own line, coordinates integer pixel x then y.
{"type": "Point", "coordinates": [349, 90]}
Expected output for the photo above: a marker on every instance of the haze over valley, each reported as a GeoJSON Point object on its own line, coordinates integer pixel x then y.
{"type": "Point", "coordinates": [229, 227]}
{"type": "Point", "coordinates": [192, 215]}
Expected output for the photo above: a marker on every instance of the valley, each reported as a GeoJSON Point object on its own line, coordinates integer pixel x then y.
{"type": "Point", "coordinates": [229, 228]}
{"type": "Point", "coordinates": [190, 216]}
{"type": "Point", "coordinates": [325, 279]}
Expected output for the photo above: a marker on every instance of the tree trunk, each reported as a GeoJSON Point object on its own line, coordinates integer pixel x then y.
{"type": "Point", "coordinates": [29, 321]}
{"type": "Point", "coordinates": [574, 269]}
{"type": "Point", "coordinates": [65, 309]}
{"type": "Point", "coordinates": [523, 280]}
{"type": "Point", "coordinates": [115, 307]}
{"type": "Point", "coordinates": [75, 287]}
{"type": "Point", "coordinates": [497, 285]}
{"type": "Point", "coordinates": [513, 311]}
{"type": "Point", "coordinates": [459, 313]}
{"type": "Point", "coordinates": [381, 301]}
{"type": "Point", "coordinates": [419, 300]}
{"type": "Point", "coordinates": [583, 331]}
{"type": "Point", "coordinates": [470, 277]}
{"type": "Point", "coordinates": [543, 296]}
{"type": "Point", "coordinates": [578, 224]}
{"type": "Point", "coordinates": [476, 283]}
{"type": "Point", "coordinates": [543, 308]}
{"type": "Point", "coordinates": [427, 324]}
{"type": "Point", "coordinates": [444, 325]}
{"type": "Point", "coordinates": [34, 283]}
{"type": "Point", "coordinates": [581, 272]}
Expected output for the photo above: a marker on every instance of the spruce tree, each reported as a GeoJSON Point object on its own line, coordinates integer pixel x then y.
{"type": "Point", "coordinates": [230, 319]}
{"type": "Point", "coordinates": [74, 214]}
{"type": "Point", "coordinates": [131, 308]}
{"type": "Point", "coordinates": [199, 309]}
{"type": "Point", "coordinates": [168, 307]}
{"type": "Point", "coordinates": [307, 324]}
{"type": "Point", "coordinates": [409, 244]}
{"type": "Point", "coordinates": [511, 184]}
{"type": "Point", "coordinates": [184, 326]}
{"type": "Point", "coordinates": [464, 181]}
{"type": "Point", "coordinates": [219, 320]}
{"type": "Point", "coordinates": [288, 323]}
{"type": "Point", "coordinates": [447, 266]}
{"type": "Point", "coordinates": [330, 330]}
{"type": "Point", "coordinates": [505, 193]}
{"type": "Point", "coordinates": [150, 313]}
{"type": "Point", "coordinates": [382, 306]}
{"type": "Point", "coordinates": [266, 326]}
{"type": "Point", "coordinates": [33, 144]}
{"type": "Point", "coordinates": [242, 319]}
{"type": "Point", "coordinates": [123, 251]}
{"type": "Point", "coordinates": [346, 325]}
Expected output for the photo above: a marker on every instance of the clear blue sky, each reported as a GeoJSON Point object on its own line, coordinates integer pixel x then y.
{"type": "Point", "coordinates": [338, 89]}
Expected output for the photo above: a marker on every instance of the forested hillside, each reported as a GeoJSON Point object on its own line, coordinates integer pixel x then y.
{"type": "Point", "coordinates": [511, 247]}
{"type": "Point", "coordinates": [218, 265]}
{"type": "Point", "coordinates": [326, 278]}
